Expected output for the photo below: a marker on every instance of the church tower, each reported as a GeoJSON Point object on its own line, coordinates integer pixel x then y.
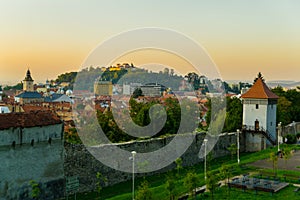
{"type": "Point", "coordinates": [28, 83]}
{"type": "Point", "coordinates": [259, 116]}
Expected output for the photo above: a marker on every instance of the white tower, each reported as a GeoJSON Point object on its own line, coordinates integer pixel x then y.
{"type": "Point", "coordinates": [259, 116]}
{"type": "Point", "coordinates": [28, 83]}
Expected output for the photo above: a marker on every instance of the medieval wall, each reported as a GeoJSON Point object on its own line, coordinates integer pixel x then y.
{"type": "Point", "coordinates": [27, 154]}
{"type": "Point", "coordinates": [42, 163]}
{"type": "Point", "coordinates": [79, 162]}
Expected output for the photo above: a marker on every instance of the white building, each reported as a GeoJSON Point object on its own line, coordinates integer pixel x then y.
{"type": "Point", "coordinates": [4, 109]}
{"type": "Point", "coordinates": [259, 116]}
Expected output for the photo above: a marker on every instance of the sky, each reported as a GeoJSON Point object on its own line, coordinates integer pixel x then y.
{"type": "Point", "coordinates": [51, 37]}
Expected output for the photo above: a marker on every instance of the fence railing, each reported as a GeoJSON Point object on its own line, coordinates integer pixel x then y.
{"type": "Point", "coordinates": [262, 130]}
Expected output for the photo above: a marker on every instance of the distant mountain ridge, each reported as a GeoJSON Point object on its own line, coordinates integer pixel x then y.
{"type": "Point", "coordinates": [283, 83]}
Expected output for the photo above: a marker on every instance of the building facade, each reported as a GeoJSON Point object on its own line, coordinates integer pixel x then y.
{"type": "Point", "coordinates": [259, 116]}
{"type": "Point", "coordinates": [103, 88]}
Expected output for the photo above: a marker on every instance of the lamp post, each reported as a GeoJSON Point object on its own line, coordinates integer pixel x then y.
{"type": "Point", "coordinates": [278, 133]}
{"type": "Point", "coordinates": [205, 141]}
{"type": "Point", "coordinates": [238, 145]}
{"type": "Point", "coordinates": [294, 125]}
{"type": "Point", "coordinates": [133, 154]}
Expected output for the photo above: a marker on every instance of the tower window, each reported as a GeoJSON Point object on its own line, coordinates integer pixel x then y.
{"type": "Point", "coordinates": [256, 106]}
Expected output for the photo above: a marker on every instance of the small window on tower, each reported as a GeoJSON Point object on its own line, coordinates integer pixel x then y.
{"type": "Point", "coordinates": [256, 106]}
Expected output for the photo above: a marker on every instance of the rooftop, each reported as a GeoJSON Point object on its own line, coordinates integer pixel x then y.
{"type": "Point", "coordinates": [28, 119]}
{"type": "Point", "coordinates": [259, 91]}
{"type": "Point", "coordinates": [30, 95]}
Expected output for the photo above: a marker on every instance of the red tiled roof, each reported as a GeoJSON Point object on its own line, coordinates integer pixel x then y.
{"type": "Point", "coordinates": [28, 119]}
{"type": "Point", "coordinates": [259, 91]}
{"type": "Point", "coordinates": [29, 108]}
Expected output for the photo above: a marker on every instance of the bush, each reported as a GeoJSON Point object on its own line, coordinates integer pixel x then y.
{"type": "Point", "coordinates": [298, 135]}
{"type": "Point", "coordinates": [291, 139]}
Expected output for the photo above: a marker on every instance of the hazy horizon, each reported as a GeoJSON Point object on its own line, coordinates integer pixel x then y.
{"type": "Point", "coordinates": [242, 37]}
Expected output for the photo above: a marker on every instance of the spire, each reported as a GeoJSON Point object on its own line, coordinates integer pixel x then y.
{"type": "Point", "coordinates": [28, 76]}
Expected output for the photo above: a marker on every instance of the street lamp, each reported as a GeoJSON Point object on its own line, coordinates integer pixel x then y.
{"type": "Point", "coordinates": [205, 141]}
{"type": "Point", "coordinates": [294, 125]}
{"type": "Point", "coordinates": [133, 154]}
{"type": "Point", "coordinates": [238, 145]}
{"type": "Point", "coordinates": [278, 133]}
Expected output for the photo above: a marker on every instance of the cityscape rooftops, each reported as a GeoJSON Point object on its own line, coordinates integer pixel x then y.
{"type": "Point", "coordinates": [28, 119]}
{"type": "Point", "coordinates": [29, 95]}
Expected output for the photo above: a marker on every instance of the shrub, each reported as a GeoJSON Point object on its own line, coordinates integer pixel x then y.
{"type": "Point", "coordinates": [291, 139]}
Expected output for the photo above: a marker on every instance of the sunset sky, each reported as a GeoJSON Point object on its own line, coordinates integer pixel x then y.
{"type": "Point", "coordinates": [242, 37]}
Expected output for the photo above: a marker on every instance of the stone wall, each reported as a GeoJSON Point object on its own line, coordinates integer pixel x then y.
{"type": "Point", "coordinates": [19, 135]}
{"type": "Point", "coordinates": [42, 162]}
{"type": "Point", "coordinates": [79, 162]}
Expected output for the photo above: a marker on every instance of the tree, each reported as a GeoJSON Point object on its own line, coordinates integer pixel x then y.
{"type": "Point", "coordinates": [170, 186]}
{"type": "Point", "coordinates": [190, 182]}
{"type": "Point", "coordinates": [234, 114]}
{"type": "Point", "coordinates": [178, 162]}
{"type": "Point", "coordinates": [233, 150]}
{"type": "Point", "coordinates": [211, 183]}
{"type": "Point", "coordinates": [259, 75]}
{"type": "Point", "coordinates": [225, 174]}
{"type": "Point", "coordinates": [35, 189]}
{"type": "Point", "coordinates": [283, 110]}
{"type": "Point", "coordinates": [274, 160]}
{"type": "Point", "coordinates": [286, 152]}
{"type": "Point", "coordinates": [100, 180]}
{"type": "Point", "coordinates": [137, 93]}
{"type": "Point", "coordinates": [144, 193]}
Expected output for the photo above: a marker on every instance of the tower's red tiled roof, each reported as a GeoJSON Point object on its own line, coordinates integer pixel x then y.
{"type": "Point", "coordinates": [28, 119]}
{"type": "Point", "coordinates": [259, 91]}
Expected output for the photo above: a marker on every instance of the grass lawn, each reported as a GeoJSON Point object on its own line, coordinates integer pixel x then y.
{"type": "Point", "coordinates": [223, 193]}
{"type": "Point", "coordinates": [158, 186]}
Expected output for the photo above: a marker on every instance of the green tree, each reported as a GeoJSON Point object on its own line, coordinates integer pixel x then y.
{"type": "Point", "coordinates": [137, 93]}
{"type": "Point", "coordinates": [233, 150]}
{"type": "Point", "coordinates": [100, 181]}
{"type": "Point", "coordinates": [274, 159]}
{"type": "Point", "coordinates": [35, 189]}
{"type": "Point", "coordinates": [211, 183]}
{"type": "Point", "coordinates": [225, 174]}
{"type": "Point", "coordinates": [144, 193]}
{"type": "Point", "coordinates": [190, 182]}
{"type": "Point", "coordinates": [283, 110]}
{"type": "Point", "coordinates": [286, 152]}
{"type": "Point", "coordinates": [171, 186]}
{"type": "Point", "coordinates": [18, 86]}
{"type": "Point", "coordinates": [178, 162]}
{"type": "Point", "coordinates": [234, 114]}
